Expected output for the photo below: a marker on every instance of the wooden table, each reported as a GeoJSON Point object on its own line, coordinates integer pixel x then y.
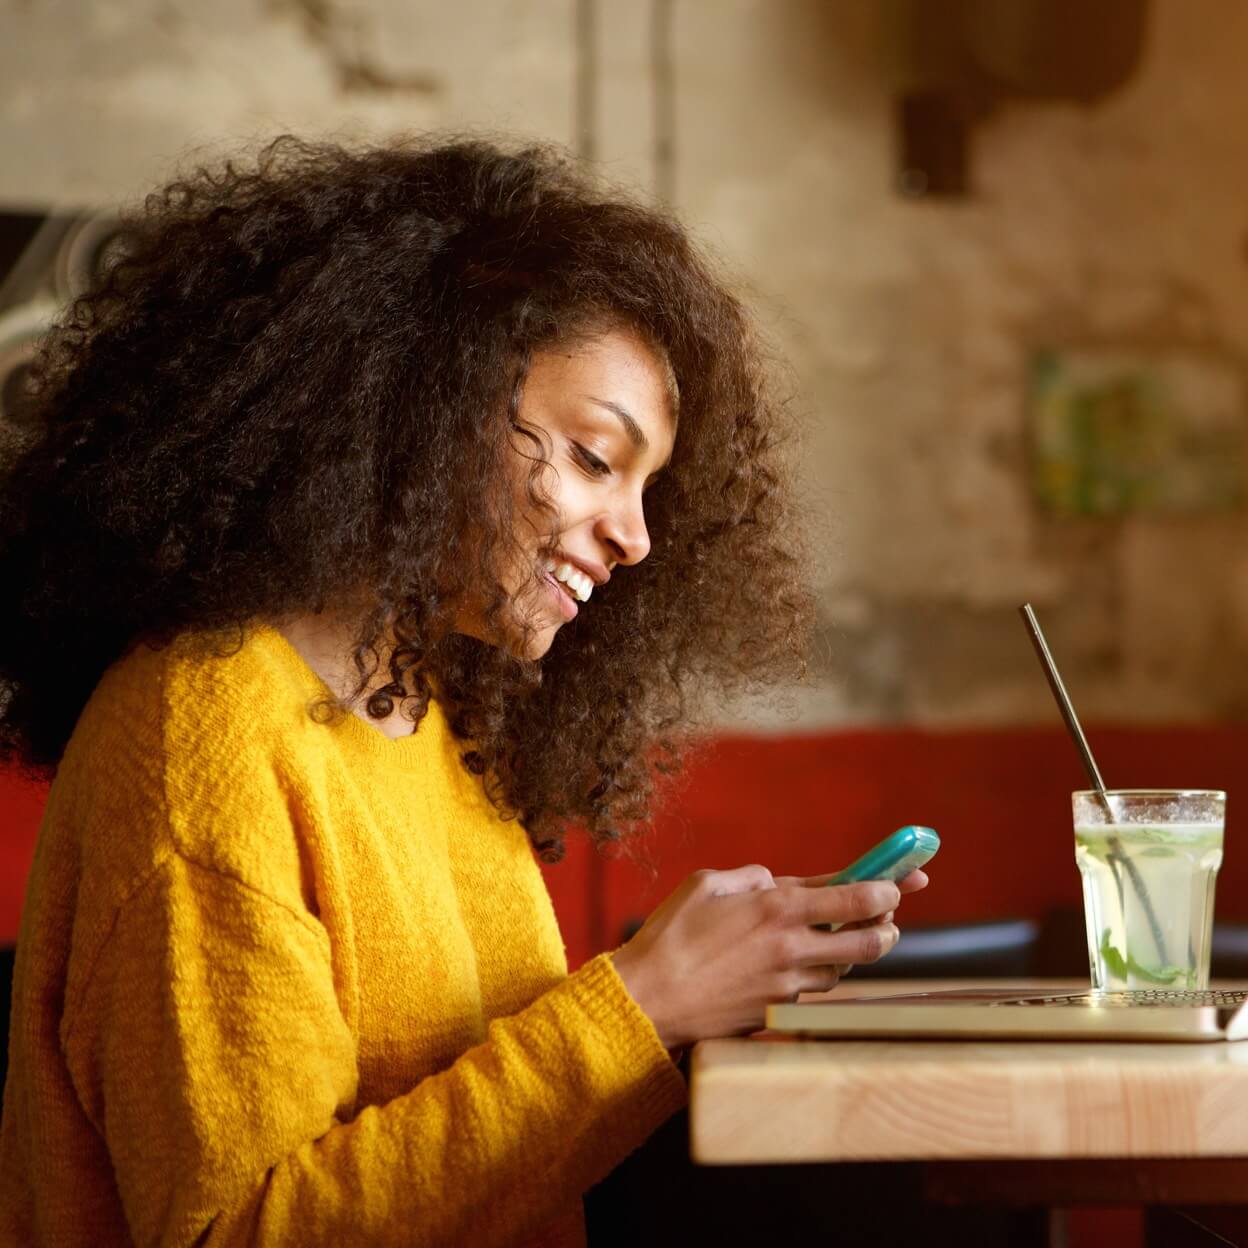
{"type": "Point", "coordinates": [1054, 1122]}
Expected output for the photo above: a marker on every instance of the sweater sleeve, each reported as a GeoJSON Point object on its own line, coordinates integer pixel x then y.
{"type": "Point", "coordinates": [210, 1053]}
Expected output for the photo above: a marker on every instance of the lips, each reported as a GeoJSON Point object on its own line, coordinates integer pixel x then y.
{"type": "Point", "coordinates": [565, 602]}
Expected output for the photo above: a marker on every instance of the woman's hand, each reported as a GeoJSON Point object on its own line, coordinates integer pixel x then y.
{"type": "Point", "coordinates": [910, 884]}
{"type": "Point", "coordinates": [726, 944]}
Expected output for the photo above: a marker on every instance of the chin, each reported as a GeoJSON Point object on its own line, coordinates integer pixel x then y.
{"type": "Point", "coordinates": [529, 645]}
{"type": "Point", "coordinates": [537, 646]}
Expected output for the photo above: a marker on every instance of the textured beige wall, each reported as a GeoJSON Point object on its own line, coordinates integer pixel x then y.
{"type": "Point", "coordinates": [907, 323]}
{"type": "Point", "coordinates": [99, 97]}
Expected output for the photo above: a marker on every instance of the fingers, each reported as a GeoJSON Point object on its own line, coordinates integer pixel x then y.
{"type": "Point", "coordinates": [832, 975]}
{"type": "Point", "coordinates": [820, 978]}
{"type": "Point", "coordinates": [817, 979]}
{"type": "Point", "coordinates": [911, 883]}
{"type": "Point", "coordinates": [845, 948]}
{"type": "Point", "coordinates": [848, 947]}
{"type": "Point", "coordinates": [890, 917]}
{"type": "Point", "coordinates": [842, 903]}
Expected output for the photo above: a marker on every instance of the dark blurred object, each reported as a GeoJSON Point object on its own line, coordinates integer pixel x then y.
{"type": "Point", "coordinates": [1230, 951]}
{"type": "Point", "coordinates": [1195, 1226]}
{"type": "Point", "coordinates": [57, 256]}
{"type": "Point", "coordinates": [21, 328]}
{"type": "Point", "coordinates": [1051, 49]}
{"type": "Point", "coordinates": [1062, 947]}
{"type": "Point", "coordinates": [46, 261]}
{"type": "Point", "coordinates": [934, 149]}
{"type": "Point", "coordinates": [17, 230]}
{"type": "Point", "coordinates": [1000, 948]}
{"type": "Point", "coordinates": [954, 61]}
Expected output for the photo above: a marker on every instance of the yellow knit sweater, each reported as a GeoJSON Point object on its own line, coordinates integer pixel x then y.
{"type": "Point", "coordinates": [284, 982]}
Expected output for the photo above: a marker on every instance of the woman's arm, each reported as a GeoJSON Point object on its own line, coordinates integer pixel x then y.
{"type": "Point", "coordinates": [209, 1052]}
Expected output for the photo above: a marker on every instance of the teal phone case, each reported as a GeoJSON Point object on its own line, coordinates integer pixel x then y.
{"type": "Point", "coordinates": [894, 857]}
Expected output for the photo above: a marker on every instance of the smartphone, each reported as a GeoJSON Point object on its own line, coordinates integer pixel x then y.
{"type": "Point", "coordinates": [892, 859]}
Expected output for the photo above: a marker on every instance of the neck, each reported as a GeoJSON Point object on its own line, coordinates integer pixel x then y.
{"type": "Point", "coordinates": [325, 642]}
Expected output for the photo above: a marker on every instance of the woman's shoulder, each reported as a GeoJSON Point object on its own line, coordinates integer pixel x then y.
{"type": "Point", "coordinates": [199, 725]}
{"type": "Point", "coordinates": [251, 685]}
{"type": "Point", "coordinates": [202, 692]}
{"type": "Point", "coordinates": [185, 749]}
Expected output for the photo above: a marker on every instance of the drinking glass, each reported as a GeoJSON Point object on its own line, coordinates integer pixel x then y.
{"type": "Point", "coordinates": [1149, 862]}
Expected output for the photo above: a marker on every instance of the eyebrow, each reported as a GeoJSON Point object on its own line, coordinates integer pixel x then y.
{"type": "Point", "coordinates": [631, 427]}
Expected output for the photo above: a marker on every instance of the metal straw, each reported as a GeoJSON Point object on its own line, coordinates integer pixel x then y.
{"type": "Point", "coordinates": [1067, 709]}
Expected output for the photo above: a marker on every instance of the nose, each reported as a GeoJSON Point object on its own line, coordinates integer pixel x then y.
{"type": "Point", "coordinates": [623, 531]}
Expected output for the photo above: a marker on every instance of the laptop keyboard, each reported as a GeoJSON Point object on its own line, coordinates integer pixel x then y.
{"type": "Point", "coordinates": [1222, 998]}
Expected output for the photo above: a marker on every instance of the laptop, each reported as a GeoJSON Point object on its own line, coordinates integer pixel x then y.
{"type": "Point", "coordinates": [1000, 1014]}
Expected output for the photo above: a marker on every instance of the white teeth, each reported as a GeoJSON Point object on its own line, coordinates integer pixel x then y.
{"type": "Point", "coordinates": [576, 580]}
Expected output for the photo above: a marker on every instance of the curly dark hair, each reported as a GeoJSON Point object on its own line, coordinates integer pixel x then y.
{"type": "Point", "coordinates": [300, 378]}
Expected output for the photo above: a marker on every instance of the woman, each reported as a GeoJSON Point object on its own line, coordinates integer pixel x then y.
{"type": "Point", "coordinates": [394, 509]}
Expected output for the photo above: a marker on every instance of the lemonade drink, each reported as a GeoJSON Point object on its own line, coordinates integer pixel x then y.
{"type": "Point", "coordinates": [1148, 881]}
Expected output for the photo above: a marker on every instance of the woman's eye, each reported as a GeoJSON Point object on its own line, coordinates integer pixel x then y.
{"type": "Point", "coordinates": [591, 461]}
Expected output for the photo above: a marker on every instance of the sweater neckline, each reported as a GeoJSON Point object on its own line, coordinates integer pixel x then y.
{"type": "Point", "coordinates": [401, 751]}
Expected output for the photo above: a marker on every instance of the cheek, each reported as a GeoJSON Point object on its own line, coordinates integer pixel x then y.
{"type": "Point", "coordinates": [576, 504]}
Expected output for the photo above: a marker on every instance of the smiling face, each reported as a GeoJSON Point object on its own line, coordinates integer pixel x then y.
{"type": "Point", "coordinates": [604, 413]}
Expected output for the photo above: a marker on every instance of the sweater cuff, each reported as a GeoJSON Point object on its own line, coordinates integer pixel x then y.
{"type": "Point", "coordinates": [607, 1003]}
